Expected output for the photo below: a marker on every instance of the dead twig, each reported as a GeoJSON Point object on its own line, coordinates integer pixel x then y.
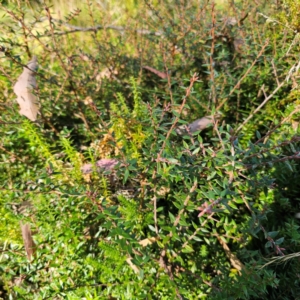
{"type": "Point", "coordinates": [235, 262]}
{"type": "Point", "coordinates": [74, 29]}
{"type": "Point", "coordinates": [237, 86]}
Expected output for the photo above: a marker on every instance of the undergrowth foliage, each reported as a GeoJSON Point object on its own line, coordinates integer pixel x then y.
{"type": "Point", "coordinates": [121, 205]}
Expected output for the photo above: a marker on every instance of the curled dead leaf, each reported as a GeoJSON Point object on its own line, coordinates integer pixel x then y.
{"type": "Point", "coordinates": [104, 164]}
{"type": "Point", "coordinates": [160, 74]}
{"type": "Point", "coordinates": [238, 44]}
{"type": "Point", "coordinates": [23, 89]}
{"type": "Point", "coordinates": [29, 244]}
{"type": "Point", "coordinates": [197, 125]}
{"type": "Point", "coordinates": [148, 241]}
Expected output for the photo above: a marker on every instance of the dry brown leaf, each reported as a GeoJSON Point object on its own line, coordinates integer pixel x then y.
{"type": "Point", "coordinates": [23, 89]}
{"type": "Point", "coordinates": [148, 241]}
{"type": "Point", "coordinates": [156, 72]}
{"type": "Point", "coordinates": [197, 125]}
{"type": "Point", "coordinates": [132, 265]}
{"type": "Point", "coordinates": [29, 244]}
{"type": "Point", "coordinates": [104, 164]}
{"type": "Point", "coordinates": [238, 44]}
{"type": "Point", "coordinates": [235, 262]}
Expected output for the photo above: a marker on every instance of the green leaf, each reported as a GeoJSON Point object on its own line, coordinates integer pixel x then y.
{"type": "Point", "coordinates": [185, 144]}
{"type": "Point", "coordinates": [196, 238]}
{"type": "Point", "coordinates": [212, 175]}
{"type": "Point", "coordinates": [126, 175]}
{"type": "Point", "coordinates": [272, 234]}
{"type": "Point", "coordinates": [196, 151]}
{"type": "Point", "coordinates": [232, 205]}
{"type": "Point", "coordinates": [187, 249]}
{"type": "Point", "coordinates": [152, 228]}
{"type": "Point", "coordinates": [269, 244]}
{"type": "Point", "coordinates": [279, 241]}
{"type": "Point", "coordinates": [172, 217]}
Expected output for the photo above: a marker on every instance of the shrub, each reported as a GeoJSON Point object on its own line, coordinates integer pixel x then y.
{"type": "Point", "coordinates": [121, 203]}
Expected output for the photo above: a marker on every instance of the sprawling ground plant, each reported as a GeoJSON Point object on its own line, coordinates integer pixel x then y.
{"type": "Point", "coordinates": [164, 160]}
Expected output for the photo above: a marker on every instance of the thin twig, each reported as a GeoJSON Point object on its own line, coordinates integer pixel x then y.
{"type": "Point", "coordinates": [197, 230]}
{"type": "Point", "coordinates": [235, 262]}
{"type": "Point", "coordinates": [291, 157]}
{"type": "Point", "coordinates": [245, 75]}
{"type": "Point", "coordinates": [215, 122]}
{"type": "Point", "coordinates": [297, 109]}
{"type": "Point", "coordinates": [155, 212]}
{"type": "Point", "coordinates": [186, 201]}
{"type": "Point", "coordinates": [12, 154]}
{"type": "Point", "coordinates": [212, 50]}
{"type": "Point", "coordinates": [275, 72]}
{"type": "Point", "coordinates": [65, 68]}
{"type": "Point", "coordinates": [96, 28]}
{"type": "Point", "coordinates": [262, 104]}
{"type": "Point", "coordinates": [278, 250]}
{"type": "Point", "coordinates": [275, 21]}
{"type": "Point", "coordinates": [187, 94]}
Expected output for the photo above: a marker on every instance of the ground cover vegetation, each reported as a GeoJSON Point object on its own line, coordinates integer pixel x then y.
{"type": "Point", "coordinates": [163, 161]}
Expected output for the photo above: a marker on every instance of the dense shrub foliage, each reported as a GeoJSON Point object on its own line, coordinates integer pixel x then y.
{"type": "Point", "coordinates": [115, 192]}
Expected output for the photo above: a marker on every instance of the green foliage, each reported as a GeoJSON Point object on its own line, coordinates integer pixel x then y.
{"type": "Point", "coordinates": [74, 158]}
{"type": "Point", "coordinates": [194, 216]}
{"type": "Point", "coordinates": [36, 142]}
{"type": "Point", "coordinates": [289, 15]}
{"type": "Point", "coordinates": [126, 125]}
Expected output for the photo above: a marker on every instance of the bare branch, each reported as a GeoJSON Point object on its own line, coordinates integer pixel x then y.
{"type": "Point", "coordinates": [237, 86]}
{"type": "Point", "coordinates": [96, 28]}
